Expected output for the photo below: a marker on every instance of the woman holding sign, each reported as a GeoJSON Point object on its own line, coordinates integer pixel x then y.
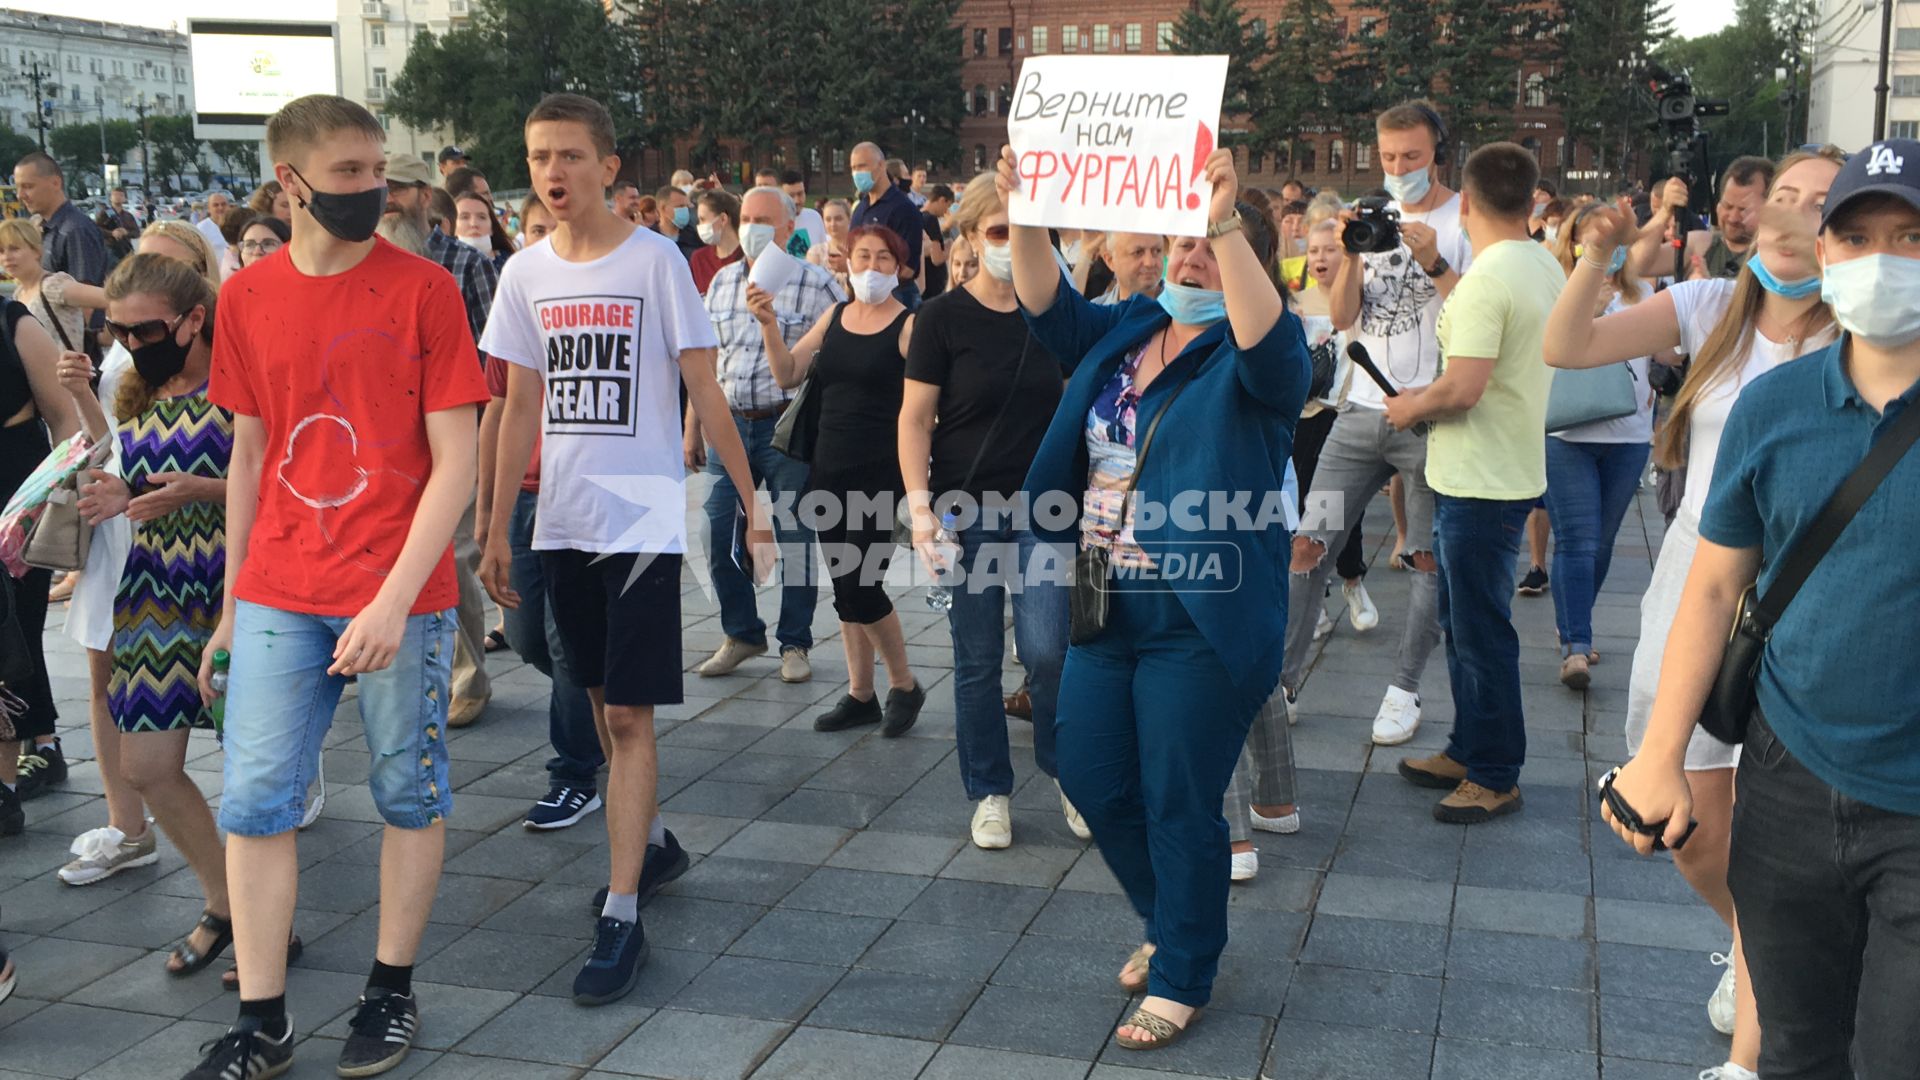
{"type": "Point", "coordinates": [1176, 403]}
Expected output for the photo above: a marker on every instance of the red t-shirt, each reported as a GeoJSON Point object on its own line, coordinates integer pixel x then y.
{"type": "Point", "coordinates": [705, 263]}
{"type": "Point", "coordinates": [342, 371]}
{"type": "Point", "coordinates": [497, 386]}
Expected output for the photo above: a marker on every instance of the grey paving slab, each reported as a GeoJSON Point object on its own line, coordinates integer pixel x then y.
{"type": "Point", "coordinates": [823, 1054]}
{"type": "Point", "coordinates": [1332, 1051]}
{"type": "Point", "coordinates": [675, 1045]}
{"type": "Point", "coordinates": [1454, 1059]}
{"type": "Point", "coordinates": [1375, 999]}
{"type": "Point", "coordinates": [889, 1003]}
{"type": "Point", "coordinates": [1377, 945]}
{"type": "Point", "coordinates": [757, 987]}
{"type": "Point", "coordinates": [1077, 1025]}
{"type": "Point", "coordinates": [856, 892]}
{"type": "Point", "coordinates": [1520, 1015]}
{"type": "Point", "coordinates": [69, 1040]}
{"type": "Point", "coordinates": [971, 1062]}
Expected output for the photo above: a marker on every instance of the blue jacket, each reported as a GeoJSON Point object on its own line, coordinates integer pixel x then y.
{"type": "Point", "coordinates": [1230, 432]}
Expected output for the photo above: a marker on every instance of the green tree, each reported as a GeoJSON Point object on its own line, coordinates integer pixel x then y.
{"type": "Point", "coordinates": [77, 146]}
{"type": "Point", "coordinates": [240, 156]}
{"type": "Point", "coordinates": [13, 147]}
{"type": "Point", "coordinates": [1602, 47]}
{"type": "Point", "coordinates": [1479, 52]}
{"type": "Point", "coordinates": [1221, 28]}
{"type": "Point", "coordinates": [1743, 64]}
{"type": "Point", "coordinates": [1299, 88]}
{"type": "Point", "coordinates": [1399, 49]}
{"type": "Point", "coordinates": [176, 153]}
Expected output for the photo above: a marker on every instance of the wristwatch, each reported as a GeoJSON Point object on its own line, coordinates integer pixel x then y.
{"type": "Point", "coordinates": [1439, 267]}
{"type": "Point", "coordinates": [1218, 229]}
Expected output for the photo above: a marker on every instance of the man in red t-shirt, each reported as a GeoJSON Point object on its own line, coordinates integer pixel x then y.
{"type": "Point", "coordinates": [352, 377]}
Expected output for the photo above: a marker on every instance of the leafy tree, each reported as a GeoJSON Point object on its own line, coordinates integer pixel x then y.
{"type": "Point", "coordinates": [1401, 50]}
{"type": "Point", "coordinates": [1601, 85]}
{"type": "Point", "coordinates": [13, 147]}
{"type": "Point", "coordinates": [1300, 86]}
{"type": "Point", "coordinates": [77, 146]}
{"type": "Point", "coordinates": [1221, 28]}
{"type": "Point", "coordinates": [240, 156]}
{"type": "Point", "coordinates": [176, 153]}
{"type": "Point", "coordinates": [1739, 64]}
{"type": "Point", "coordinates": [1479, 52]}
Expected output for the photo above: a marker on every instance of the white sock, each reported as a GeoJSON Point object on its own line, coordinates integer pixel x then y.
{"type": "Point", "coordinates": [1730, 1071]}
{"type": "Point", "coordinates": [622, 906]}
{"type": "Point", "coordinates": [657, 833]}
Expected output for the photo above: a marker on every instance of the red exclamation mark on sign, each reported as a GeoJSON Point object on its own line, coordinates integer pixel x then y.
{"type": "Point", "coordinates": [1202, 147]}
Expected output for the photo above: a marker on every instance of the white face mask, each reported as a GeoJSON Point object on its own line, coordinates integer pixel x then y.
{"type": "Point", "coordinates": [1552, 233]}
{"type": "Point", "coordinates": [872, 286]}
{"type": "Point", "coordinates": [705, 229]}
{"type": "Point", "coordinates": [1873, 298]}
{"type": "Point", "coordinates": [481, 244]}
{"type": "Point", "coordinates": [1411, 187]}
{"type": "Point", "coordinates": [754, 238]}
{"type": "Point", "coordinates": [997, 261]}
{"type": "Point", "coordinates": [1071, 253]}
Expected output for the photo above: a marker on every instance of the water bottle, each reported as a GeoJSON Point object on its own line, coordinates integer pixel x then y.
{"type": "Point", "coordinates": [221, 660]}
{"type": "Point", "coordinates": [947, 540]}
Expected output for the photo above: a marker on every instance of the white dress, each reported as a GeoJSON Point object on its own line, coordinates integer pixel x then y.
{"type": "Point", "coordinates": [90, 612]}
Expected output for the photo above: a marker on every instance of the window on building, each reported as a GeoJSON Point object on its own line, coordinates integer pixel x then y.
{"type": "Point", "coordinates": [1069, 39]}
{"type": "Point", "coordinates": [1304, 163]}
{"type": "Point", "coordinates": [76, 95]}
{"type": "Point", "coordinates": [1903, 129]}
{"type": "Point", "coordinates": [839, 161]}
{"type": "Point", "coordinates": [979, 106]}
{"type": "Point", "coordinates": [1256, 161]}
{"type": "Point", "coordinates": [1133, 37]}
{"type": "Point", "coordinates": [1532, 146]}
{"type": "Point", "coordinates": [1906, 86]}
{"type": "Point", "coordinates": [1039, 40]}
{"type": "Point", "coordinates": [93, 65]}
{"type": "Point", "coordinates": [1282, 157]}
{"type": "Point", "coordinates": [423, 35]}
{"type": "Point", "coordinates": [1362, 156]}
{"type": "Point", "coordinates": [1258, 28]}
{"type": "Point", "coordinates": [73, 62]}
{"type": "Point", "coordinates": [979, 157]}
{"type": "Point", "coordinates": [179, 73]}
{"type": "Point", "coordinates": [1907, 37]}
{"type": "Point", "coordinates": [380, 78]}
{"type": "Point", "coordinates": [1336, 156]}
{"type": "Point", "coordinates": [385, 123]}
{"type": "Point", "coordinates": [1003, 103]}
{"type": "Point", "coordinates": [1006, 40]}
{"type": "Point", "coordinates": [980, 42]}
{"type": "Point", "coordinates": [1559, 153]}
{"type": "Point", "coordinates": [1102, 37]}
{"type": "Point", "coordinates": [1163, 37]}
{"type": "Point", "coordinates": [1536, 97]}
{"type": "Point", "coordinates": [99, 95]}
{"type": "Point", "coordinates": [377, 35]}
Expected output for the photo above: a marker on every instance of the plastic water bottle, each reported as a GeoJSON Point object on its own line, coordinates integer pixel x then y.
{"type": "Point", "coordinates": [221, 660]}
{"type": "Point", "coordinates": [939, 594]}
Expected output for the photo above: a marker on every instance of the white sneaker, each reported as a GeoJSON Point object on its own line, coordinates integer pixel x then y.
{"type": "Point", "coordinates": [1729, 1071]}
{"type": "Point", "coordinates": [1360, 610]}
{"type": "Point", "coordinates": [1324, 627]}
{"type": "Point", "coordinates": [993, 823]}
{"type": "Point", "coordinates": [1246, 866]}
{"type": "Point", "coordinates": [1074, 821]}
{"type": "Point", "coordinates": [316, 794]}
{"type": "Point", "coordinates": [1720, 1005]}
{"type": "Point", "coordinates": [101, 853]}
{"type": "Point", "coordinates": [1398, 718]}
{"type": "Point", "coordinates": [1286, 823]}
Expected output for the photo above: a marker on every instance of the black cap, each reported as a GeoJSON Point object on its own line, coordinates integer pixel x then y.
{"type": "Point", "coordinates": [1890, 167]}
{"type": "Point", "coordinates": [448, 153]}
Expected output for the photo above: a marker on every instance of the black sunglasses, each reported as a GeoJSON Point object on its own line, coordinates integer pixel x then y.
{"type": "Point", "coordinates": [149, 332]}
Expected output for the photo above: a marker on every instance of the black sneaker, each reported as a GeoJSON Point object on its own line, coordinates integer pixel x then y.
{"type": "Point", "coordinates": [13, 820]}
{"type": "Point", "coordinates": [903, 708]}
{"type": "Point", "coordinates": [562, 807]}
{"type": "Point", "coordinates": [40, 768]}
{"type": "Point", "coordinates": [619, 952]}
{"type": "Point", "coordinates": [244, 1053]}
{"type": "Point", "coordinates": [383, 1028]}
{"type": "Point", "coordinates": [849, 712]}
{"type": "Point", "coordinates": [1534, 583]}
{"type": "Point", "coordinates": [663, 863]}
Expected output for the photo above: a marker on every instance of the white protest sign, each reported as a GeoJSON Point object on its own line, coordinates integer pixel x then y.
{"type": "Point", "coordinates": [773, 270]}
{"type": "Point", "coordinates": [1115, 142]}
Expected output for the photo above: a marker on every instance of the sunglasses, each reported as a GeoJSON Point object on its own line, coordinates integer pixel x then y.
{"type": "Point", "coordinates": [998, 233]}
{"type": "Point", "coordinates": [149, 332]}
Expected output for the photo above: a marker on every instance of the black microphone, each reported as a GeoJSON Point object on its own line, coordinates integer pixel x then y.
{"type": "Point", "coordinates": [1357, 353]}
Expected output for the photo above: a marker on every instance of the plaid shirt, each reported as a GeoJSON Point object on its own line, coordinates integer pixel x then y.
{"type": "Point", "coordinates": [476, 275]}
{"type": "Point", "coordinates": [744, 373]}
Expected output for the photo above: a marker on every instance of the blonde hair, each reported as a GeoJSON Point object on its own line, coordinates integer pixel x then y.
{"type": "Point", "coordinates": [304, 121]}
{"type": "Point", "coordinates": [1632, 290]}
{"type": "Point", "coordinates": [264, 197]}
{"type": "Point", "coordinates": [190, 238]}
{"type": "Point", "coordinates": [20, 232]}
{"type": "Point", "coordinates": [182, 289]}
{"type": "Point", "coordinates": [978, 201]}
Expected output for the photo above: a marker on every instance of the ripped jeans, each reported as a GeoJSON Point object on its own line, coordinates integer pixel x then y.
{"type": "Point", "coordinates": [1360, 455]}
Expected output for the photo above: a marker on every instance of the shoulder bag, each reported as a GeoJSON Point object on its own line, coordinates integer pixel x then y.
{"type": "Point", "coordinates": [798, 428]}
{"type": "Point", "coordinates": [1087, 604]}
{"type": "Point", "coordinates": [1591, 395]}
{"type": "Point", "coordinates": [1730, 703]}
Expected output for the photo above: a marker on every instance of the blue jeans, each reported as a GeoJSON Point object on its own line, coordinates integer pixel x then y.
{"type": "Point", "coordinates": [779, 474]}
{"type": "Point", "coordinates": [979, 643]}
{"type": "Point", "coordinates": [577, 755]}
{"type": "Point", "coordinates": [280, 703]}
{"type": "Point", "coordinates": [1475, 542]}
{"type": "Point", "coordinates": [1589, 487]}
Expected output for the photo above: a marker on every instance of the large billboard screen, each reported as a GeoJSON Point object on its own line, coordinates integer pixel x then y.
{"type": "Point", "coordinates": [244, 71]}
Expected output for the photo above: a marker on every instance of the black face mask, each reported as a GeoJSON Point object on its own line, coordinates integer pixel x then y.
{"type": "Point", "coordinates": [352, 218]}
{"type": "Point", "coordinates": [161, 361]}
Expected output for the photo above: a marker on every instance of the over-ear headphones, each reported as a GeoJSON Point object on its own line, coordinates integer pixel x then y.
{"type": "Point", "coordinates": [1442, 141]}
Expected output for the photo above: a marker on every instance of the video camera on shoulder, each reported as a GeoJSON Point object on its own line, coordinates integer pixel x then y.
{"type": "Point", "coordinates": [1375, 228]}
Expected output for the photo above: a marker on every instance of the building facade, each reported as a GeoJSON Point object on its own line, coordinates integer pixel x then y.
{"type": "Point", "coordinates": [375, 37]}
{"type": "Point", "coordinates": [88, 71]}
{"type": "Point", "coordinates": [1846, 67]}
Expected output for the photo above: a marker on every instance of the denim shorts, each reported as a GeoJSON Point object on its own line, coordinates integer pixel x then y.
{"type": "Point", "coordinates": [280, 703]}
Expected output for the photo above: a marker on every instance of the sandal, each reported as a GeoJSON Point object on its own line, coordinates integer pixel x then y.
{"type": "Point", "coordinates": [1162, 1031]}
{"type": "Point", "coordinates": [495, 640]}
{"type": "Point", "coordinates": [191, 960]}
{"type": "Point", "coordinates": [1136, 964]}
{"type": "Point", "coordinates": [230, 978]}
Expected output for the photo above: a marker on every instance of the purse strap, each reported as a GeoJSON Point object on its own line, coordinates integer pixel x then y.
{"type": "Point", "coordinates": [1853, 493]}
{"type": "Point", "coordinates": [994, 427]}
{"type": "Point", "coordinates": [54, 321]}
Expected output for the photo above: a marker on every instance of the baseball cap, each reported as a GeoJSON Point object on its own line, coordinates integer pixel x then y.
{"type": "Point", "coordinates": [1889, 167]}
{"type": "Point", "coordinates": [448, 153]}
{"type": "Point", "coordinates": [408, 169]}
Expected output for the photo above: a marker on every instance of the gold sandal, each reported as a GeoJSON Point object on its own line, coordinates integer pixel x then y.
{"type": "Point", "coordinates": [1164, 1032]}
{"type": "Point", "coordinates": [1136, 964]}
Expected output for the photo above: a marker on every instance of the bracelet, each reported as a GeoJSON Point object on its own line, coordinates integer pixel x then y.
{"type": "Point", "coordinates": [1600, 266]}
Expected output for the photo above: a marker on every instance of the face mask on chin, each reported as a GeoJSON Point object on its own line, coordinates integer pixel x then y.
{"type": "Point", "coordinates": [481, 244]}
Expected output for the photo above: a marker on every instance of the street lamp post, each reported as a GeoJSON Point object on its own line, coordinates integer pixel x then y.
{"type": "Point", "coordinates": [915, 120]}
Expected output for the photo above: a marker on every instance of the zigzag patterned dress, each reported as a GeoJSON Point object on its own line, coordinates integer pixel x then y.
{"type": "Point", "coordinates": [170, 596]}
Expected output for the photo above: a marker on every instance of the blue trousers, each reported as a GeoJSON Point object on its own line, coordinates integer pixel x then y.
{"type": "Point", "coordinates": [1475, 542]}
{"type": "Point", "coordinates": [1589, 488]}
{"type": "Point", "coordinates": [1150, 726]}
{"type": "Point", "coordinates": [577, 755]}
{"type": "Point", "coordinates": [780, 475]}
{"type": "Point", "coordinates": [996, 563]}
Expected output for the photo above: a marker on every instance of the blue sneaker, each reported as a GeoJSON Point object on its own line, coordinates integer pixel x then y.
{"type": "Point", "coordinates": [663, 863]}
{"type": "Point", "coordinates": [562, 807]}
{"type": "Point", "coordinates": [619, 952]}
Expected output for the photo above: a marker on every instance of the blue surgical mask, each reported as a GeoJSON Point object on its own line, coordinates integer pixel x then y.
{"type": "Point", "coordinates": [863, 182]}
{"type": "Point", "coordinates": [1872, 298]}
{"type": "Point", "coordinates": [1786, 290]}
{"type": "Point", "coordinates": [1614, 265]}
{"type": "Point", "coordinates": [1191, 306]}
{"type": "Point", "coordinates": [1411, 187]}
{"type": "Point", "coordinates": [682, 216]}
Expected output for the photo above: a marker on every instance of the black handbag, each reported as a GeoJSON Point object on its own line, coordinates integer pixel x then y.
{"type": "Point", "coordinates": [1730, 703]}
{"type": "Point", "coordinates": [16, 663]}
{"type": "Point", "coordinates": [1087, 604]}
{"type": "Point", "coordinates": [798, 428]}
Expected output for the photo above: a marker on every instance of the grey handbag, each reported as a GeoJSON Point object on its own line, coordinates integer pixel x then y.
{"type": "Point", "coordinates": [1590, 395]}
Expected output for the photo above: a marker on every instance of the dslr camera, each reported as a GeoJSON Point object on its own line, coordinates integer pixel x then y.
{"type": "Point", "coordinates": [1374, 230]}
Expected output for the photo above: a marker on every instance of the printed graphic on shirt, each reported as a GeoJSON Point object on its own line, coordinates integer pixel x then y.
{"type": "Point", "coordinates": [592, 347]}
{"type": "Point", "coordinates": [1394, 294]}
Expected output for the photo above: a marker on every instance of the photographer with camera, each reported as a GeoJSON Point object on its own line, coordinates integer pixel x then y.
{"type": "Point", "coordinates": [1717, 252]}
{"type": "Point", "coordinates": [1402, 258]}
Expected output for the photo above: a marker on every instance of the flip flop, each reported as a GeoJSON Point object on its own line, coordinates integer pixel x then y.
{"type": "Point", "coordinates": [1162, 1031]}
{"type": "Point", "coordinates": [495, 640]}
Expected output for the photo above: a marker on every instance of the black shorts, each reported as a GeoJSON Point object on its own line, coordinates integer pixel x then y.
{"type": "Point", "coordinates": [621, 630]}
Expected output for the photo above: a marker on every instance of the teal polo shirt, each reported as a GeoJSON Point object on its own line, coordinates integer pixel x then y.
{"type": "Point", "coordinates": [1838, 681]}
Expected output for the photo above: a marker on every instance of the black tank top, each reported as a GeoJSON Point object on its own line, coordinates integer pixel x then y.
{"type": "Point", "coordinates": [861, 378]}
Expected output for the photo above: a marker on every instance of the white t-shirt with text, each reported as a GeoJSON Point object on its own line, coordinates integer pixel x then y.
{"type": "Point", "coordinates": [1400, 308]}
